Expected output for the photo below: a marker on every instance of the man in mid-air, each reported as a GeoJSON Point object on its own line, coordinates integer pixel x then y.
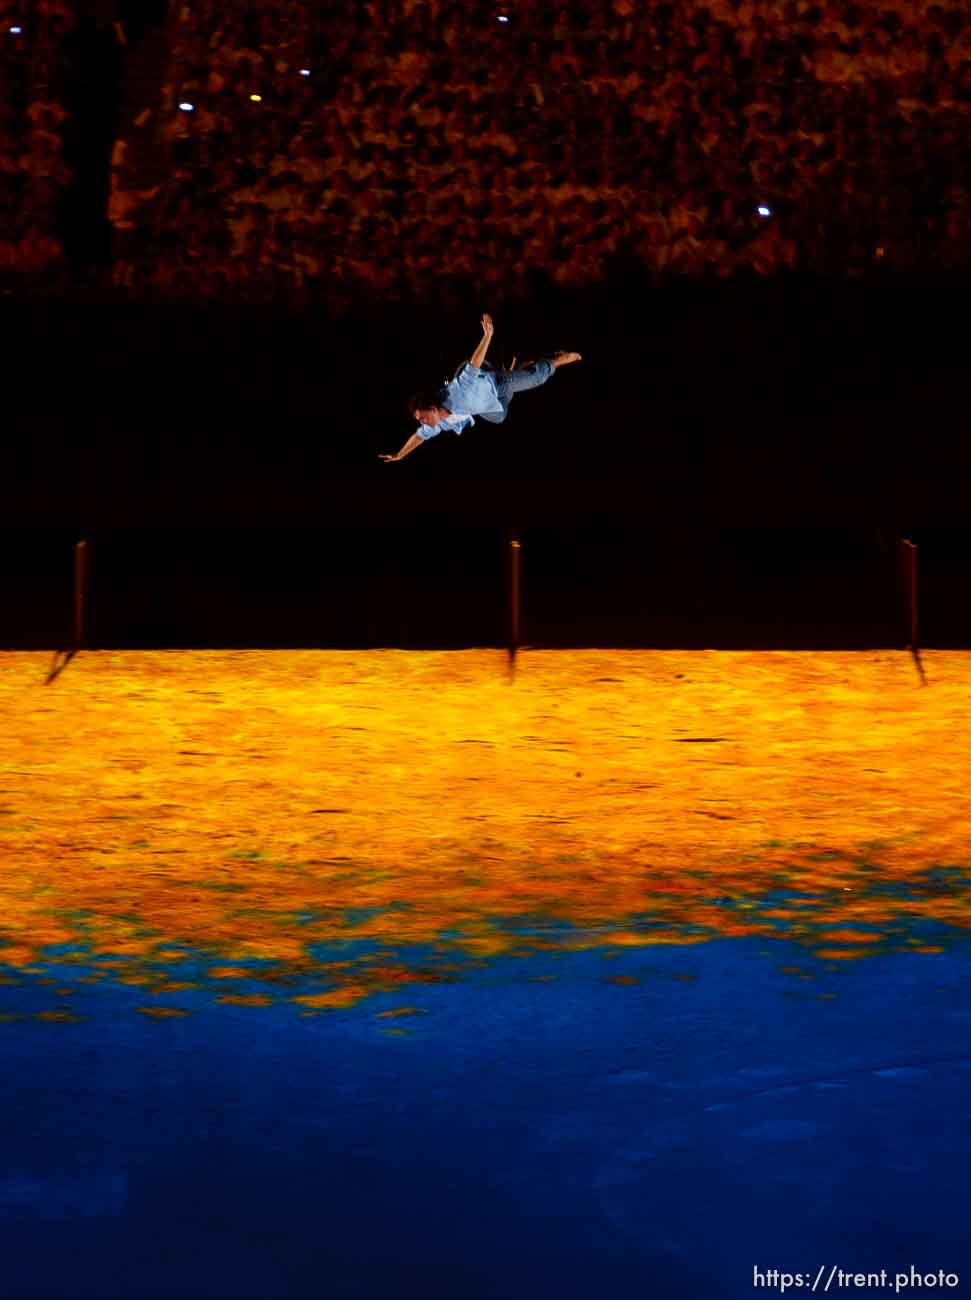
{"type": "Point", "coordinates": [476, 391]}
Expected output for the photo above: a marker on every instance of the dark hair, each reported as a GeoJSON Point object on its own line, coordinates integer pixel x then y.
{"type": "Point", "coordinates": [423, 399]}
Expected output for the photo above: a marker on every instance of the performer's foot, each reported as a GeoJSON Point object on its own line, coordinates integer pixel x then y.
{"type": "Point", "coordinates": [565, 358]}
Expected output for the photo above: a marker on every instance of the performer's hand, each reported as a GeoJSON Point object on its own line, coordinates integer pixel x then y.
{"type": "Point", "coordinates": [380, 457]}
{"type": "Point", "coordinates": [487, 326]}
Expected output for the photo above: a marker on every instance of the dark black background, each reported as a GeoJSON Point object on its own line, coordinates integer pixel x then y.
{"type": "Point", "coordinates": [733, 463]}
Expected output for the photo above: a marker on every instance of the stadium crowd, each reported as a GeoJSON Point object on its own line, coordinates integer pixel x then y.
{"type": "Point", "coordinates": [33, 174]}
{"type": "Point", "coordinates": [374, 148]}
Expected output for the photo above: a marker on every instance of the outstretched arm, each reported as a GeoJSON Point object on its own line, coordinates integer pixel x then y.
{"type": "Point", "coordinates": [413, 442]}
{"type": "Point", "coordinates": [478, 356]}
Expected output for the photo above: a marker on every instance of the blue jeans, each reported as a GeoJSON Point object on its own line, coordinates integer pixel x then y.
{"type": "Point", "coordinates": [511, 382]}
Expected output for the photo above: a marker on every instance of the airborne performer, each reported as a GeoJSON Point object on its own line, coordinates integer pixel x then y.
{"type": "Point", "coordinates": [476, 391]}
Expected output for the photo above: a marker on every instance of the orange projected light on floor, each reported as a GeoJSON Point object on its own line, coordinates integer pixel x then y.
{"type": "Point", "coordinates": [260, 805]}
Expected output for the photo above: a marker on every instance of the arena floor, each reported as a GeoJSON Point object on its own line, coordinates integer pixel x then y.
{"type": "Point", "coordinates": [386, 973]}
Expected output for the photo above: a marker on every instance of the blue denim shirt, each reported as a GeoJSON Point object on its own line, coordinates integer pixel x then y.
{"type": "Point", "coordinates": [471, 392]}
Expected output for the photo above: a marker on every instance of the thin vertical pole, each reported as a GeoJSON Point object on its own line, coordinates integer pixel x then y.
{"type": "Point", "coordinates": [515, 552]}
{"type": "Point", "coordinates": [909, 553]}
{"type": "Point", "coordinates": [80, 591]}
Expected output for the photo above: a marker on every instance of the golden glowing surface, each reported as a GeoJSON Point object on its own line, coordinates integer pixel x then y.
{"type": "Point", "coordinates": [252, 804]}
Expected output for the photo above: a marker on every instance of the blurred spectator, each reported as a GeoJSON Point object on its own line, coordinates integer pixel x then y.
{"type": "Point", "coordinates": [33, 172]}
{"type": "Point", "coordinates": [378, 149]}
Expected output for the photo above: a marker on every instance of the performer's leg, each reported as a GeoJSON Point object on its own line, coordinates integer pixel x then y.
{"type": "Point", "coordinates": [511, 382]}
{"type": "Point", "coordinates": [531, 376]}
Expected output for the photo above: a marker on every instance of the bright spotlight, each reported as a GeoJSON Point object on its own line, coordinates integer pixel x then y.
{"type": "Point", "coordinates": [763, 211]}
{"type": "Point", "coordinates": [187, 108]}
{"type": "Point", "coordinates": [305, 72]}
{"type": "Point", "coordinates": [16, 31]}
{"type": "Point", "coordinates": [257, 99]}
